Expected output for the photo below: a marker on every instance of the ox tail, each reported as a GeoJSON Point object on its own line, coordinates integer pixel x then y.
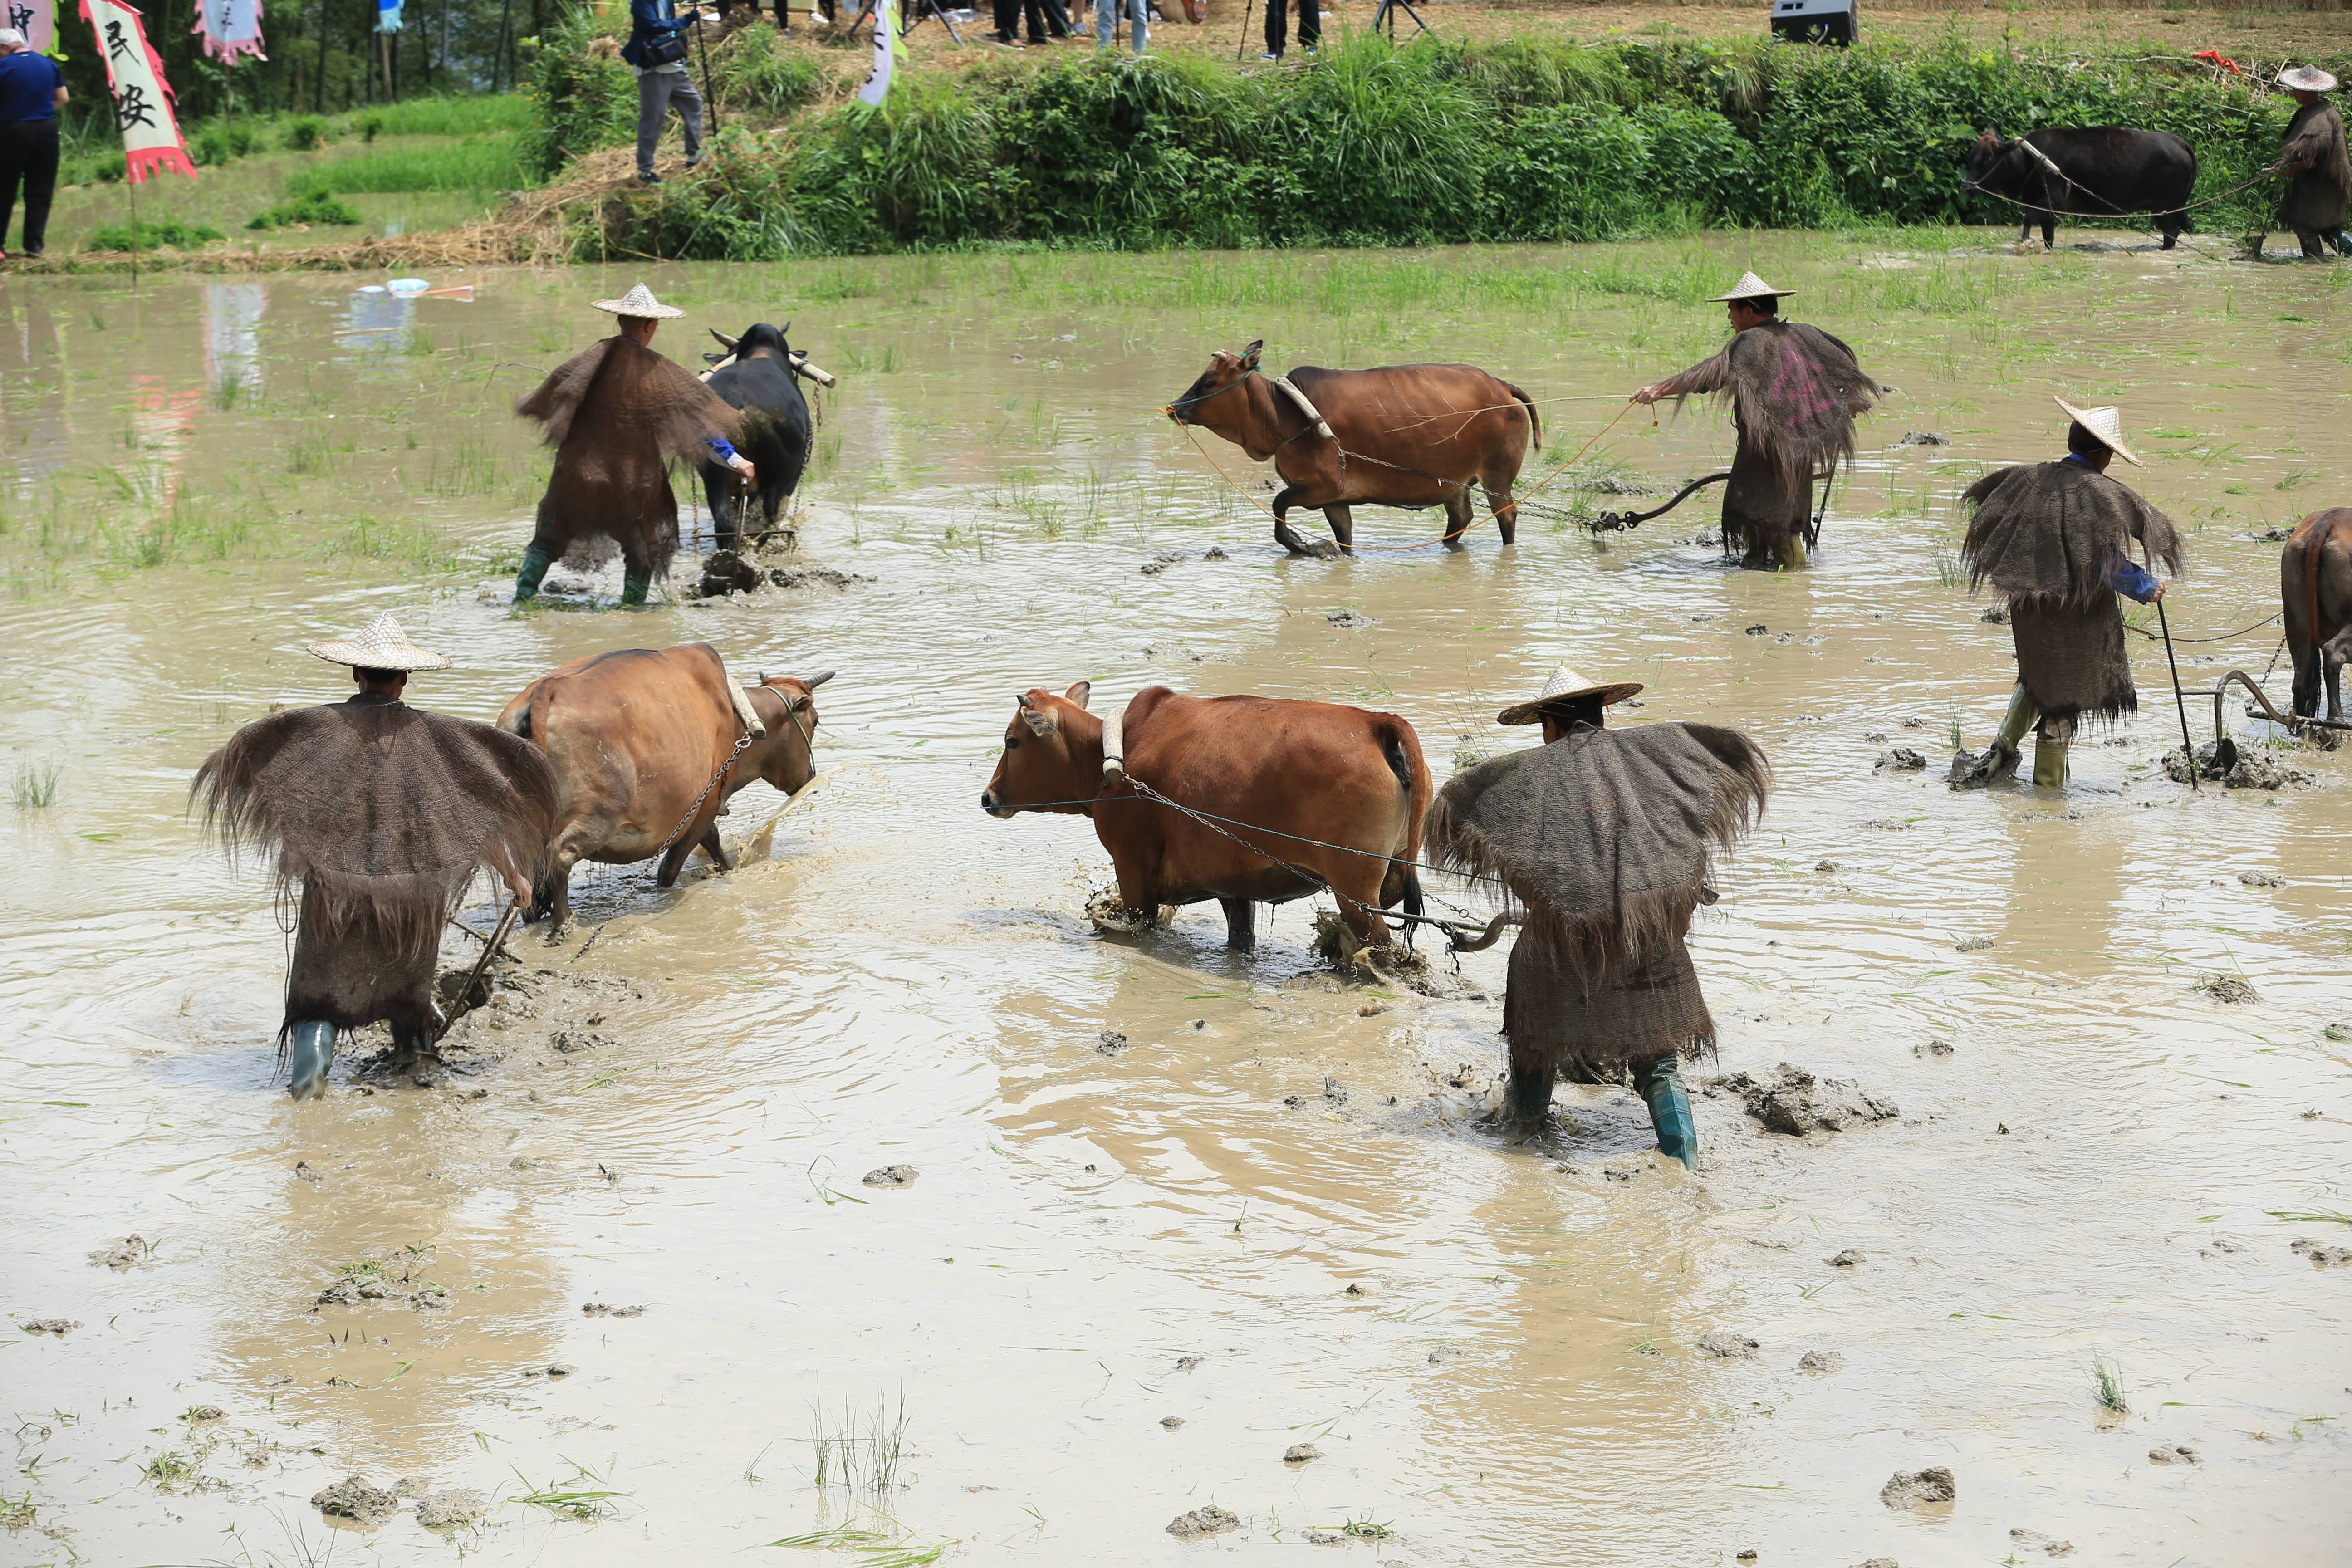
{"type": "Point", "coordinates": [2322, 527]}
{"type": "Point", "coordinates": [1534, 421]}
{"type": "Point", "coordinates": [1401, 748]}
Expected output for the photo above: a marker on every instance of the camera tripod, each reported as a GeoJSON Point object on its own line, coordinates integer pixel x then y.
{"type": "Point", "coordinates": [916, 14]}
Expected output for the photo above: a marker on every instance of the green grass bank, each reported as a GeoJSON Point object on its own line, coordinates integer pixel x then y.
{"type": "Point", "coordinates": [1431, 141]}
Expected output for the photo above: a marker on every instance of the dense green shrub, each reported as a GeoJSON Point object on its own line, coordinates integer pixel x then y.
{"type": "Point", "coordinates": [755, 70]}
{"type": "Point", "coordinates": [584, 96]}
{"type": "Point", "coordinates": [222, 142]}
{"type": "Point", "coordinates": [154, 236]}
{"type": "Point", "coordinates": [311, 208]}
{"type": "Point", "coordinates": [1375, 143]}
{"type": "Point", "coordinates": [305, 133]}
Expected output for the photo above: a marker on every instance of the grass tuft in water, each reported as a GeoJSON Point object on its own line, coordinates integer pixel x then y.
{"type": "Point", "coordinates": [2107, 1385]}
{"type": "Point", "coordinates": [36, 785]}
{"type": "Point", "coordinates": [569, 1497]}
{"type": "Point", "coordinates": [863, 1455]}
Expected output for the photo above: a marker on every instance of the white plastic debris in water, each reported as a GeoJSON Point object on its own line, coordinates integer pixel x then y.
{"type": "Point", "coordinates": [370, 288]}
{"type": "Point", "coordinates": [407, 285]}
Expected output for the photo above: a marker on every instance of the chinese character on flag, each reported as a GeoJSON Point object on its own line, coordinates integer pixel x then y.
{"type": "Point", "coordinates": [230, 27]}
{"type": "Point", "coordinates": [143, 99]}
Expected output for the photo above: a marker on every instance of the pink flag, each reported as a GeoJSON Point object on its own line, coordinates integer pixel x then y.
{"type": "Point", "coordinates": [143, 99]}
{"type": "Point", "coordinates": [230, 29]}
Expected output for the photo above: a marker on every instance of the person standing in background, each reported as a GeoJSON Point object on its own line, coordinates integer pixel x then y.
{"type": "Point", "coordinates": [32, 90]}
{"type": "Point", "coordinates": [1139, 20]}
{"type": "Point", "coordinates": [1277, 27]}
{"type": "Point", "coordinates": [2313, 154]}
{"type": "Point", "coordinates": [656, 52]}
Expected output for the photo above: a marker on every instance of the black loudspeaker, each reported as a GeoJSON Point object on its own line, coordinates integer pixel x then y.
{"type": "Point", "coordinates": [1816, 21]}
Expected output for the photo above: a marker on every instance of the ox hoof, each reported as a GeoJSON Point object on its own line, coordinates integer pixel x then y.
{"type": "Point", "coordinates": [311, 1051]}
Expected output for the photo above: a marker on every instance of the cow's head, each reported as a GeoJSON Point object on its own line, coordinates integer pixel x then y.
{"type": "Point", "coordinates": [760, 340]}
{"type": "Point", "coordinates": [787, 709]}
{"type": "Point", "coordinates": [1052, 755]}
{"type": "Point", "coordinates": [1987, 152]}
{"type": "Point", "coordinates": [1210, 401]}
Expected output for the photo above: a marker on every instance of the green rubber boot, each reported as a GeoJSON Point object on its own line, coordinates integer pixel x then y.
{"type": "Point", "coordinates": [633, 588]}
{"type": "Point", "coordinates": [1793, 555]}
{"type": "Point", "coordinates": [1660, 1084]}
{"type": "Point", "coordinates": [2050, 763]}
{"type": "Point", "coordinates": [311, 1051]}
{"type": "Point", "coordinates": [535, 563]}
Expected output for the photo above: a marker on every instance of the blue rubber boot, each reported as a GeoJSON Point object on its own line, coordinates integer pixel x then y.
{"type": "Point", "coordinates": [535, 563]}
{"type": "Point", "coordinates": [1660, 1084]}
{"type": "Point", "coordinates": [312, 1049]}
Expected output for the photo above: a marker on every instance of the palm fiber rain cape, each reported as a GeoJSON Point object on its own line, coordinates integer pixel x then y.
{"type": "Point", "coordinates": [382, 813]}
{"type": "Point", "coordinates": [2040, 537]}
{"type": "Point", "coordinates": [617, 415]}
{"type": "Point", "coordinates": [1605, 842]}
{"type": "Point", "coordinates": [1795, 392]}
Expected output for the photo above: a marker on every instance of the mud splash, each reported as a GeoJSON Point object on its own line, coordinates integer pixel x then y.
{"type": "Point", "coordinates": [1272, 1215]}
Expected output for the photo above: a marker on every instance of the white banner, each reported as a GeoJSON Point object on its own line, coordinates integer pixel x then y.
{"type": "Point", "coordinates": [230, 27]}
{"type": "Point", "coordinates": [36, 19]}
{"type": "Point", "coordinates": [886, 45]}
{"type": "Point", "coordinates": [142, 100]}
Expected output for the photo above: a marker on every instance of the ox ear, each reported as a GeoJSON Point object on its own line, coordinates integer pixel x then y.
{"type": "Point", "coordinates": [1041, 721]}
{"type": "Point", "coordinates": [1249, 354]}
{"type": "Point", "coordinates": [1080, 692]}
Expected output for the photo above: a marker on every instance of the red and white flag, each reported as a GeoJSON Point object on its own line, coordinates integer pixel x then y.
{"type": "Point", "coordinates": [143, 99]}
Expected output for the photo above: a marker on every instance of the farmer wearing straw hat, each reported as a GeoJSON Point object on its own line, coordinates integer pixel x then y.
{"type": "Point", "coordinates": [2313, 152]}
{"type": "Point", "coordinates": [617, 415]}
{"type": "Point", "coordinates": [383, 812]}
{"type": "Point", "coordinates": [1794, 392]}
{"type": "Point", "coordinates": [1604, 840]}
{"type": "Point", "coordinates": [2056, 540]}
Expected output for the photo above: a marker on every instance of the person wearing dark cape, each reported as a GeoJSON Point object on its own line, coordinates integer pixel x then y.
{"type": "Point", "coordinates": [617, 415]}
{"type": "Point", "coordinates": [1794, 393]}
{"type": "Point", "coordinates": [382, 813]}
{"type": "Point", "coordinates": [2055, 539]}
{"type": "Point", "coordinates": [1604, 840]}
{"type": "Point", "coordinates": [2312, 155]}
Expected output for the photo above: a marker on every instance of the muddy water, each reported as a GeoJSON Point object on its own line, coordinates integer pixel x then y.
{"type": "Point", "coordinates": [2107, 1163]}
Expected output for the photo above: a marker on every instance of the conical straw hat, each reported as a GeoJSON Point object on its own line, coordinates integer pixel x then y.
{"type": "Point", "coordinates": [1566, 686]}
{"type": "Point", "coordinates": [380, 645]}
{"type": "Point", "coordinates": [2107, 425]}
{"type": "Point", "coordinates": [1751, 287]}
{"type": "Point", "coordinates": [640, 302]}
{"type": "Point", "coordinates": [2308, 79]}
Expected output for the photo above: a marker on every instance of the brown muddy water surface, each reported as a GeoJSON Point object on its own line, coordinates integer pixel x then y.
{"type": "Point", "coordinates": [1126, 1280]}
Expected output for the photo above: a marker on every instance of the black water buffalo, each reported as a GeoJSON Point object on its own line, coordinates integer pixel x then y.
{"type": "Point", "coordinates": [760, 374]}
{"type": "Point", "coordinates": [2102, 171]}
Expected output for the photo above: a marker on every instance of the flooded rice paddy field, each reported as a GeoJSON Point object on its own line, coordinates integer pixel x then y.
{"type": "Point", "coordinates": [1126, 1280]}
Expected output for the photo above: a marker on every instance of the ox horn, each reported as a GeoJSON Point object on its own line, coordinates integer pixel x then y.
{"type": "Point", "coordinates": [814, 681]}
{"type": "Point", "coordinates": [723, 338]}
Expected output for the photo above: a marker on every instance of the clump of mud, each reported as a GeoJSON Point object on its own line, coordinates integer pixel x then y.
{"type": "Point", "coordinates": [2254, 768]}
{"type": "Point", "coordinates": [1793, 1101]}
{"type": "Point", "coordinates": [726, 571]}
{"type": "Point", "coordinates": [1206, 1519]}
{"type": "Point", "coordinates": [2225, 988]}
{"type": "Point", "coordinates": [1917, 1488]}
{"type": "Point", "coordinates": [1726, 1346]}
{"type": "Point", "coordinates": [1112, 917]}
{"type": "Point", "coordinates": [1901, 759]}
{"type": "Point", "coordinates": [390, 1277]}
{"type": "Point", "coordinates": [353, 1499]}
{"type": "Point", "coordinates": [124, 1253]}
{"type": "Point", "coordinates": [57, 1327]}
{"type": "Point", "coordinates": [2322, 1255]}
{"type": "Point", "coordinates": [448, 1511]}
{"type": "Point", "coordinates": [1400, 966]}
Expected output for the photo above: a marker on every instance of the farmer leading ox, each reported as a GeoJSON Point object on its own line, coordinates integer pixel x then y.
{"type": "Point", "coordinates": [1301, 796]}
{"type": "Point", "coordinates": [2100, 171]}
{"type": "Point", "coordinates": [1409, 435]}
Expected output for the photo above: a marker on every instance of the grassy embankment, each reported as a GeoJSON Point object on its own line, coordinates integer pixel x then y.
{"type": "Point", "coordinates": [1500, 138]}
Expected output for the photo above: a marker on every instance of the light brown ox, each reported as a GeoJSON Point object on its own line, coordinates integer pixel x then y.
{"type": "Point", "coordinates": [1407, 434]}
{"type": "Point", "coordinates": [1289, 778]}
{"type": "Point", "coordinates": [634, 736]}
{"type": "Point", "coordinates": [2315, 588]}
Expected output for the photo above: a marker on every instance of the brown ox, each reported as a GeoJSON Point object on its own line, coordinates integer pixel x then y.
{"type": "Point", "coordinates": [1406, 435]}
{"type": "Point", "coordinates": [634, 736]}
{"type": "Point", "coordinates": [1291, 780]}
{"type": "Point", "coordinates": [2315, 587]}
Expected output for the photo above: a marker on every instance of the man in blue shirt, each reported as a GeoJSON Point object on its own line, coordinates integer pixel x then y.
{"type": "Point", "coordinates": [656, 52]}
{"type": "Point", "coordinates": [32, 90]}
